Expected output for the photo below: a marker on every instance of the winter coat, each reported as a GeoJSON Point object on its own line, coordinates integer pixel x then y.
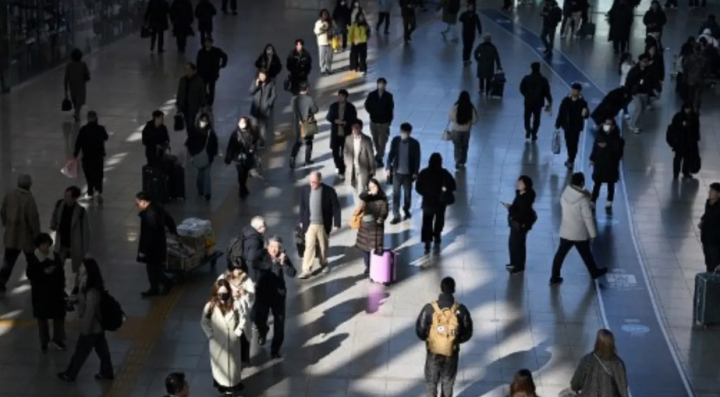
{"type": "Point", "coordinates": [241, 148]}
{"type": "Point", "coordinates": [591, 377]}
{"type": "Point", "coordinates": [152, 137]}
{"type": "Point", "coordinates": [154, 222]}
{"type": "Point", "coordinates": [80, 233]}
{"type": "Point", "coordinates": [606, 161]}
{"type": "Point", "coordinates": [578, 223]}
{"type": "Point", "coordinates": [270, 281]}
{"type": "Point", "coordinates": [470, 24]}
{"type": "Point", "coordinates": [552, 15]}
{"type": "Point", "coordinates": [693, 67]}
{"type": "Point", "coordinates": [253, 246]}
{"type": "Point", "coordinates": [209, 62]}
{"type": "Point", "coordinates": [423, 324]}
{"type": "Point", "coordinates": [77, 75]}
{"type": "Point", "coordinates": [223, 331]}
{"type": "Point", "coordinates": [205, 12]}
{"type": "Point", "coordinates": [640, 81]}
{"type": "Point", "coordinates": [341, 17]}
{"type": "Point", "coordinates": [521, 214]}
{"type": "Point", "coordinates": [570, 115]}
{"type": "Point", "coordinates": [429, 185]}
{"type": "Point", "coordinates": [455, 124]}
{"type": "Point", "coordinates": [451, 9]}
{"type": "Point", "coordinates": [304, 108]}
{"type": "Point", "coordinates": [371, 233]}
{"type": "Point", "coordinates": [654, 21]}
{"type": "Point", "coordinates": [20, 218]}
{"type": "Point", "coordinates": [381, 108]}
{"type": "Point", "coordinates": [299, 64]}
{"type": "Point", "coordinates": [407, 8]}
{"type": "Point", "coordinates": [323, 32]}
{"type": "Point", "coordinates": [710, 224]}
{"type": "Point", "coordinates": [414, 155]}
{"type": "Point", "coordinates": [182, 16]}
{"type": "Point", "coordinates": [385, 6]}
{"type": "Point", "coordinates": [657, 69]}
{"type": "Point", "coordinates": [247, 286]}
{"type": "Point", "coordinates": [535, 89]}
{"type": "Point", "coordinates": [272, 66]}
{"type": "Point", "coordinates": [620, 19]}
{"type": "Point", "coordinates": [156, 15]}
{"type": "Point", "coordinates": [708, 36]}
{"type": "Point", "coordinates": [91, 141]}
{"type": "Point", "coordinates": [366, 161]}
{"type": "Point", "coordinates": [683, 134]}
{"type": "Point", "coordinates": [349, 116]}
{"type": "Point", "coordinates": [200, 140]}
{"type": "Point", "coordinates": [611, 105]}
{"type": "Point", "coordinates": [191, 96]}
{"type": "Point", "coordinates": [47, 289]}
{"type": "Point", "coordinates": [330, 208]}
{"type": "Point", "coordinates": [359, 33]}
{"type": "Point", "coordinates": [488, 60]}
{"type": "Point", "coordinates": [263, 99]}
{"type": "Point", "coordinates": [88, 311]}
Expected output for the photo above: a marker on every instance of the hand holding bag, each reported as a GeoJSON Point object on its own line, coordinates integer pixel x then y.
{"type": "Point", "coordinates": [70, 169]}
{"type": "Point", "coordinates": [201, 159]}
{"type": "Point", "coordinates": [66, 105]}
{"type": "Point", "coordinates": [447, 134]}
{"type": "Point", "coordinates": [308, 127]}
{"type": "Point", "coordinates": [356, 218]}
{"type": "Point", "coordinates": [556, 142]}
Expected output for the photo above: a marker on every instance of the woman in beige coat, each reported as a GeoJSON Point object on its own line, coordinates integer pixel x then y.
{"type": "Point", "coordinates": [243, 290]}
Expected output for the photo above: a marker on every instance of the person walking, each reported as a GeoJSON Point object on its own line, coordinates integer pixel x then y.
{"type": "Point", "coordinates": [488, 63]}
{"type": "Point", "coordinates": [304, 110]}
{"type": "Point", "coordinates": [69, 221]}
{"type": "Point", "coordinates": [694, 66]}
{"type": "Point", "coordinates": [356, 9]}
{"type": "Point", "coordinates": [182, 16]}
{"type": "Point", "coordinates": [47, 288]}
{"type": "Point", "coordinates": [535, 90]}
{"type": "Point", "coordinates": [403, 166]}
{"type": "Point", "coordinates": [156, 19]}
{"type": "Point", "coordinates": [232, 7]}
{"type": "Point", "coordinates": [380, 105]}
{"type": "Point", "coordinates": [655, 21]}
{"type": "Point", "coordinates": [443, 324]}
{"type": "Point", "coordinates": [523, 384]}
{"type": "Point", "coordinates": [340, 115]}
{"type": "Point", "coordinates": [152, 243]}
{"type": "Point", "coordinates": [156, 139]}
{"type": "Point", "coordinates": [407, 12]}
{"type": "Point", "coordinates": [577, 228]}
{"type": "Point", "coordinates": [319, 216]}
{"type": "Point", "coordinates": [176, 385]}
{"type": "Point", "coordinates": [605, 158]}
{"type": "Point", "coordinates": [358, 36]}
{"type": "Point", "coordinates": [358, 159]}
{"type": "Point", "coordinates": [683, 136]}
{"type": "Point", "coordinates": [521, 218]}
{"type": "Point", "coordinates": [248, 246]}
{"type": "Point", "coordinates": [77, 75]}
{"type": "Point", "coordinates": [462, 117]}
{"type": "Point", "coordinates": [191, 96]}
{"type": "Point", "coordinates": [620, 19]}
{"type": "Point", "coordinates": [615, 101]}
{"type": "Point", "coordinates": [263, 93]}
{"type": "Point", "coordinates": [371, 234]}
{"type": "Point", "coordinates": [323, 33]}
{"type": "Point", "coordinates": [20, 218]}
{"type": "Point", "coordinates": [202, 146]}
{"type": "Point", "coordinates": [210, 60]}
{"type": "Point", "coordinates": [92, 335]}
{"type": "Point", "coordinates": [205, 11]}
{"type": "Point", "coordinates": [241, 151]}
{"type": "Point", "coordinates": [384, 10]}
{"type": "Point", "coordinates": [437, 188]}
{"type": "Point", "coordinates": [640, 84]}
{"type": "Point", "coordinates": [243, 292]}
{"type": "Point", "coordinates": [551, 15]}
{"type": "Point", "coordinates": [601, 372]}
{"type": "Point", "coordinates": [571, 118]}
{"type": "Point", "coordinates": [710, 229]}
{"type": "Point", "coordinates": [299, 66]}
{"type": "Point", "coordinates": [269, 62]}
{"type": "Point", "coordinates": [341, 20]}
{"type": "Point", "coordinates": [450, 11]}
{"type": "Point", "coordinates": [224, 322]}
{"type": "Point", "coordinates": [91, 142]}
{"type": "Point", "coordinates": [271, 268]}
{"type": "Point", "coordinates": [470, 24]}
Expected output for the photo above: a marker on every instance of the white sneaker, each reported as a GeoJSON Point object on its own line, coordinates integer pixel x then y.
{"type": "Point", "coordinates": [608, 204]}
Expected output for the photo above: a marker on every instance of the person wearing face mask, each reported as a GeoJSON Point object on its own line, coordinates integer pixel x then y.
{"type": "Point", "coordinates": [70, 221]}
{"type": "Point", "coordinates": [241, 149]}
{"type": "Point", "coordinates": [243, 292]}
{"type": "Point", "coordinates": [437, 187]}
{"type": "Point", "coordinates": [299, 66]}
{"type": "Point", "coordinates": [341, 19]}
{"type": "Point", "coordinates": [358, 36]}
{"type": "Point", "coordinates": [640, 83]}
{"type": "Point", "coordinates": [262, 90]}
{"type": "Point", "coordinates": [370, 236]}
{"type": "Point", "coordinates": [91, 142]}
{"type": "Point", "coordinates": [605, 158]}
{"type": "Point", "coordinates": [403, 165]}
{"type": "Point", "coordinates": [683, 136]}
{"type": "Point", "coordinates": [202, 146]}
{"type": "Point", "coordinates": [210, 60]}
{"type": "Point", "coordinates": [271, 268]}
{"type": "Point", "coordinates": [358, 159]}
{"type": "Point", "coordinates": [571, 118]}
{"type": "Point", "coordinates": [224, 323]}
{"type": "Point", "coordinates": [380, 105]}
{"type": "Point", "coordinates": [156, 139]}
{"type": "Point", "coordinates": [340, 115]}
{"type": "Point", "coordinates": [269, 61]}
{"type": "Point", "coordinates": [323, 33]}
{"type": "Point", "coordinates": [521, 218]}
{"type": "Point", "coordinates": [191, 96]}
{"type": "Point", "coordinates": [355, 10]}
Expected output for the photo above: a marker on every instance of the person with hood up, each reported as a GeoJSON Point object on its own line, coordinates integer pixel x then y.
{"type": "Point", "coordinates": [341, 21]}
{"type": "Point", "coordinates": [535, 90]}
{"type": "Point", "coordinates": [202, 146]}
{"type": "Point", "coordinates": [299, 65]}
{"type": "Point", "coordinates": [470, 24]}
{"type": "Point", "coordinates": [156, 139]}
{"type": "Point", "coordinates": [384, 9]}
{"type": "Point", "coordinates": [205, 12]}
{"type": "Point", "coordinates": [683, 136]}
{"type": "Point", "coordinates": [241, 149]}
{"type": "Point", "coordinates": [269, 61]}
{"type": "Point", "coordinates": [450, 9]}
{"type": "Point", "coordinates": [210, 60]}
{"type": "Point", "coordinates": [605, 158]}
{"type": "Point", "coordinates": [521, 217]}
{"type": "Point", "coordinates": [437, 187]}
{"type": "Point", "coordinates": [182, 16]}
{"type": "Point", "coordinates": [91, 142]}
{"type": "Point", "coordinates": [156, 19]}
{"type": "Point", "coordinates": [571, 118]}
{"type": "Point", "coordinates": [323, 32]}
{"type": "Point", "coordinates": [488, 63]}
{"type": "Point", "coordinates": [577, 228]}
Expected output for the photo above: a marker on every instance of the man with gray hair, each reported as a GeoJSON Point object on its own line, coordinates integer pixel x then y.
{"type": "Point", "coordinates": [21, 221]}
{"type": "Point", "coordinates": [247, 246]}
{"type": "Point", "coordinates": [319, 215]}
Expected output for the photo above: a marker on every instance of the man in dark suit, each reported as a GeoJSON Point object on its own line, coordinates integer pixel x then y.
{"type": "Point", "coordinates": [403, 165]}
{"type": "Point", "coordinates": [319, 215]}
{"type": "Point", "coordinates": [152, 246]}
{"type": "Point", "coordinates": [340, 115]}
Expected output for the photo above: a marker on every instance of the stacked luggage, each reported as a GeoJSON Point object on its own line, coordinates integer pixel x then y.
{"type": "Point", "coordinates": [165, 181]}
{"type": "Point", "coordinates": [193, 247]}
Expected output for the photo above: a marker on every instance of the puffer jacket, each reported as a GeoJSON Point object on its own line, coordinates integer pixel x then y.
{"type": "Point", "coordinates": [578, 223]}
{"type": "Point", "coordinates": [424, 320]}
{"type": "Point", "coordinates": [370, 236]}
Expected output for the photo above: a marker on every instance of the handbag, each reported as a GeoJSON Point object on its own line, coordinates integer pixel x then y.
{"type": "Point", "coordinates": [308, 127]}
{"type": "Point", "coordinates": [70, 169]}
{"type": "Point", "coordinates": [556, 142]}
{"type": "Point", "coordinates": [145, 32]}
{"type": "Point", "coordinates": [356, 218]}
{"type": "Point", "coordinates": [202, 160]}
{"type": "Point", "coordinates": [607, 371]}
{"type": "Point", "coordinates": [66, 105]}
{"type": "Point", "coordinates": [447, 134]}
{"type": "Point", "coordinates": [178, 122]}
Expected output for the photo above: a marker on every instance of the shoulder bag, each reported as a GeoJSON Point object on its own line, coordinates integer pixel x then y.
{"type": "Point", "coordinates": [447, 134]}
{"type": "Point", "coordinates": [202, 160]}
{"type": "Point", "coordinates": [308, 126]}
{"type": "Point", "coordinates": [607, 371]}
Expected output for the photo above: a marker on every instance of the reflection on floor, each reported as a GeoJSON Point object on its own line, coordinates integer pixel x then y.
{"type": "Point", "coordinates": [344, 335]}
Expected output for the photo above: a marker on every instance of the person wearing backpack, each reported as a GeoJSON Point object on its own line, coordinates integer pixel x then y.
{"type": "Point", "coordinates": [247, 246]}
{"type": "Point", "coordinates": [521, 217]}
{"type": "Point", "coordinates": [92, 332]}
{"type": "Point", "coordinates": [443, 324]}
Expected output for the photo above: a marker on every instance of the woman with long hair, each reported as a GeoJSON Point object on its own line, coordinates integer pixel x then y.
{"type": "Point", "coordinates": [77, 76]}
{"type": "Point", "coordinates": [437, 188]}
{"type": "Point", "coordinates": [358, 36]}
{"type": "Point", "coordinates": [375, 209]}
{"type": "Point", "coordinates": [602, 372]}
{"type": "Point", "coordinates": [240, 151]}
{"type": "Point", "coordinates": [521, 217]}
{"type": "Point", "coordinates": [462, 117]}
{"type": "Point", "coordinates": [323, 33]}
{"type": "Point", "coordinates": [269, 61]}
{"type": "Point", "coordinates": [523, 384]}
{"type": "Point", "coordinates": [202, 146]}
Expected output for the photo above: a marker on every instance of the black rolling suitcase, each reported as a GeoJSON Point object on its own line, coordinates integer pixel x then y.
{"type": "Point", "coordinates": [497, 85]}
{"type": "Point", "coordinates": [176, 183]}
{"type": "Point", "coordinates": [706, 302]}
{"type": "Point", "coordinates": [155, 183]}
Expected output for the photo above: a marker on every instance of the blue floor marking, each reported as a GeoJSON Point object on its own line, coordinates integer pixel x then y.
{"type": "Point", "coordinates": [652, 364]}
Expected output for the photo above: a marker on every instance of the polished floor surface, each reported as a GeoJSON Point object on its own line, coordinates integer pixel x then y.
{"type": "Point", "coordinates": [345, 336]}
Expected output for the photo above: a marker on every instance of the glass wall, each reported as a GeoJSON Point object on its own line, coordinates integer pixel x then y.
{"type": "Point", "coordinates": [36, 35]}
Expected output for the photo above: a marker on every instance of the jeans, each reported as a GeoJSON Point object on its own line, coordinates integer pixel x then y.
{"type": "Point", "coordinates": [461, 142]}
{"type": "Point", "coordinates": [159, 36]}
{"type": "Point", "coordinates": [583, 248]}
{"type": "Point", "coordinates": [58, 334]}
{"type": "Point", "coordinates": [203, 181]}
{"type": "Point", "coordinates": [468, 43]}
{"type": "Point", "coordinates": [325, 55]}
{"type": "Point", "coordinates": [181, 42]}
{"type": "Point", "coordinates": [403, 181]}
{"type": "Point", "coordinates": [534, 112]}
{"type": "Point", "coordinates": [85, 345]}
{"type": "Point", "coordinates": [547, 35]}
{"type": "Point", "coordinates": [94, 170]}
{"type": "Point", "coordinates": [517, 248]}
{"type": "Point", "coordinates": [596, 191]}
{"type": "Point", "coordinates": [440, 370]}
{"type": "Point", "coordinates": [640, 101]}
{"type": "Point", "coordinates": [271, 302]}
{"type": "Point", "coordinates": [338, 153]}
{"type": "Point", "coordinates": [572, 139]}
{"type": "Point", "coordinates": [233, 5]}
{"type": "Point", "coordinates": [409, 25]}
{"type": "Point", "coordinates": [156, 275]}
{"type": "Point", "coordinates": [712, 256]}
{"type": "Point", "coordinates": [210, 91]}
{"type": "Point", "coordinates": [380, 134]}
{"type": "Point", "coordinates": [433, 223]}
{"type": "Point", "coordinates": [358, 57]}
{"type": "Point", "coordinates": [383, 17]}
{"type": "Point", "coordinates": [242, 174]}
{"type": "Point", "coordinates": [11, 256]}
{"type": "Point", "coordinates": [315, 238]}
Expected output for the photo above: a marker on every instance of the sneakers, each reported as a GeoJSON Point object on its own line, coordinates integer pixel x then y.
{"type": "Point", "coordinates": [395, 220]}
{"type": "Point", "coordinates": [304, 276]}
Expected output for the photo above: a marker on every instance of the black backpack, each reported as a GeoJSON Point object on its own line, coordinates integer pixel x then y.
{"type": "Point", "coordinates": [112, 315]}
{"type": "Point", "coordinates": [236, 252]}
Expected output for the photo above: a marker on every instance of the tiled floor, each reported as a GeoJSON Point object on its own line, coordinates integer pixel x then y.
{"type": "Point", "coordinates": [346, 337]}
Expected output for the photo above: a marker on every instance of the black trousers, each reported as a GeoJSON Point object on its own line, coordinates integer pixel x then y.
{"type": "Point", "coordinates": [366, 259]}
{"type": "Point", "coordinates": [404, 182]}
{"type": "Point", "coordinates": [547, 35]}
{"type": "Point", "coordinates": [468, 43]}
{"type": "Point", "coordinates": [572, 139]}
{"type": "Point", "coordinates": [233, 5]}
{"type": "Point", "coordinates": [485, 84]}
{"type": "Point", "coordinates": [358, 57]}
{"type": "Point", "coordinates": [156, 275]}
{"type": "Point", "coordinates": [409, 25]}
{"type": "Point", "coordinates": [210, 91]}
{"type": "Point", "coordinates": [440, 370]}
{"type": "Point", "coordinates": [383, 17]}
{"type": "Point", "coordinates": [583, 248]}
{"type": "Point", "coordinates": [85, 345]}
{"type": "Point", "coordinates": [338, 150]}
{"type": "Point", "coordinates": [712, 256]}
{"type": "Point", "coordinates": [243, 172]}
{"type": "Point", "coordinates": [181, 42]}
{"type": "Point", "coordinates": [517, 248]}
{"type": "Point", "coordinates": [308, 148]}
{"type": "Point", "coordinates": [596, 191]}
{"type": "Point", "coordinates": [679, 163]}
{"type": "Point", "coordinates": [264, 305]}
{"type": "Point", "coordinates": [621, 46]}
{"type": "Point", "coordinates": [159, 37]}
{"type": "Point", "coordinates": [433, 223]}
{"type": "Point", "coordinates": [58, 334]}
{"type": "Point", "coordinates": [94, 170]}
{"type": "Point", "coordinates": [244, 348]}
{"type": "Point", "coordinates": [204, 35]}
{"type": "Point", "coordinates": [9, 260]}
{"type": "Point", "coordinates": [534, 112]}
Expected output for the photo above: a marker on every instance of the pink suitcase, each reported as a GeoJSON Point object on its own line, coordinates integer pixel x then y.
{"type": "Point", "coordinates": [382, 267]}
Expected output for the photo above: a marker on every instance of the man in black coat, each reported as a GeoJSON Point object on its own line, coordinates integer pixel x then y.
{"type": "Point", "coordinates": [299, 65]}
{"type": "Point", "coordinates": [710, 229]}
{"type": "Point", "coordinates": [407, 11]}
{"type": "Point", "coordinates": [571, 118]}
{"type": "Point", "coordinates": [470, 24]}
{"type": "Point", "coordinates": [263, 93]}
{"type": "Point", "coordinates": [340, 115]}
{"type": "Point", "coordinates": [156, 19]}
{"type": "Point", "coordinates": [205, 12]}
{"type": "Point", "coordinates": [535, 89]}
{"type": "Point", "coordinates": [210, 60]}
{"type": "Point", "coordinates": [403, 166]}
{"type": "Point", "coordinates": [91, 142]}
{"type": "Point", "coordinates": [244, 249]}
{"type": "Point", "coordinates": [380, 105]}
{"type": "Point", "coordinates": [488, 63]}
{"type": "Point", "coordinates": [152, 245]}
{"type": "Point", "coordinates": [319, 215]}
{"type": "Point", "coordinates": [182, 16]}
{"type": "Point", "coordinates": [156, 139]}
{"type": "Point", "coordinates": [552, 15]}
{"type": "Point", "coordinates": [233, 6]}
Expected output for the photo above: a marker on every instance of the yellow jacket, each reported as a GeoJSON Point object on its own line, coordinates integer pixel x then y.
{"type": "Point", "coordinates": [358, 34]}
